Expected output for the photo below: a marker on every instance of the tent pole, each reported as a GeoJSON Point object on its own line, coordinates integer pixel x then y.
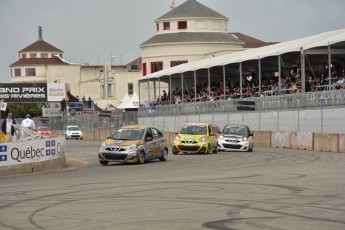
{"type": "Point", "coordinates": [182, 88]}
{"type": "Point", "coordinates": [303, 70]}
{"type": "Point", "coordinates": [241, 79]}
{"type": "Point", "coordinates": [154, 91]}
{"type": "Point", "coordinates": [259, 70]}
{"type": "Point", "coordinates": [170, 99]}
{"type": "Point", "coordinates": [148, 89]}
{"type": "Point", "coordinates": [279, 73]}
{"type": "Point", "coordinates": [209, 81]}
{"type": "Point", "coordinates": [139, 92]}
{"type": "Point", "coordinates": [224, 84]}
{"type": "Point", "coordinates": [329, 66]}
{"type": "Point", "coordinates": [159, 87]}
{"type": "Point", "coordinates": [194, 85]}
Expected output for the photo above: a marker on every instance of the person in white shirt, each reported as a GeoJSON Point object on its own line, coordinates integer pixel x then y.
{"type": "Point", "coordinates": [28, 123]}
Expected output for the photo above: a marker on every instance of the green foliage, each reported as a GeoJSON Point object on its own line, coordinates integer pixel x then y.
{"type": "Point", "coordinates": [20, 110]}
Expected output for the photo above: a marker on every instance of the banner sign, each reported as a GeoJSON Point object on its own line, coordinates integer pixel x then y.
{"type": "Point", "coordinates": [51, 112]}
{"type": "Point", "coordinates": [246, 105]}
{"type": "Point", "coordinates": [23, 92]}
{"type": "Point", "coordinates": [23, 152]}
{"type": "Point", "coordinates": [56, 91]}
{"type": "Point", "coordinates": [32, 92]}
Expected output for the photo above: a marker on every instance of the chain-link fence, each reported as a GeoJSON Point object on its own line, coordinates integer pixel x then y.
{"type": "Point", "coordinates": [90, 121]}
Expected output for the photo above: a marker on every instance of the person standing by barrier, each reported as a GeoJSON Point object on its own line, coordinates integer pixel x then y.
{"type": "Point", "coordinates": [28, 123]}
{"type": "Point", "coordinates": [7, 128]}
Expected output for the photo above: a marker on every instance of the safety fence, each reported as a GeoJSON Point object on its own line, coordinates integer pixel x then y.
{"type": "Point", "coordinates": [310, 100]}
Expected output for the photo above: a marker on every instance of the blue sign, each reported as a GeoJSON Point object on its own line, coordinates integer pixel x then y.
{"type": "Point", "coordinates": [3, 158]}
{"type": "Point", "coordinates": [3, 148]}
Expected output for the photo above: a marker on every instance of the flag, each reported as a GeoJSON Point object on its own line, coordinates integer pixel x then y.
{"type": "Point", "coordinates": [3, 148]}
{"type": "Point", "coordinates": [3, 158]}
{"type": "Point", "coordinates": [3, 106]}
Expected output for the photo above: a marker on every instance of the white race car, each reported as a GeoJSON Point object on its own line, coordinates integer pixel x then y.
{"type": "Point", "coordinates": [236, 138]}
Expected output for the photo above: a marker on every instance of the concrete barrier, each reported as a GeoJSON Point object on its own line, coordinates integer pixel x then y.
{"type": "Point", "coordinates": [342, 143]}
{"type": "Point", "coordinates": [32, 156]}
{"type": "Point", "coordinates": [281, 140]}
{"type": "Point", "coordinates": [326, 142]}
{"type": "Point", "coordinates": [262, 138]}
{"type": "Point", "coordinates": [302, 140]}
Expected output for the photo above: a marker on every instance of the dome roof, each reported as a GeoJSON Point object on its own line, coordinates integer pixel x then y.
{"type": "Point", "coordinates": [192, 9]}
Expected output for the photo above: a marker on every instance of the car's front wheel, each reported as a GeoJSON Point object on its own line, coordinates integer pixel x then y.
{"type": "Point", "coordinates": [164, 156]}
{"type": "Point", "coordinates": [174, 151]}
{"type": "Point", "coordinates": [208, 151]}
{"type": "Point", "coordinates": [102, 162]}
{"type": "Point", "coordinates": [141, 158]}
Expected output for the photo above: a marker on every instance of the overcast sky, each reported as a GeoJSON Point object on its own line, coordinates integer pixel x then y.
{"type": "Point", "coordinates": [91, 31]}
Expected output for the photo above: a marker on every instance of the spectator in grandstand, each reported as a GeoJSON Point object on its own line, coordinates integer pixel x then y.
{"type": "Point", "coordinates": [7, 128]}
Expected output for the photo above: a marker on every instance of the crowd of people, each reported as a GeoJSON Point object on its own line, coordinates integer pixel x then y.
{"type": "Point", "coordinates": [250, 88]}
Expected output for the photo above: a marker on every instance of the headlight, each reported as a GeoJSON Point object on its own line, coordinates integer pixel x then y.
{"type": "Point", "coordinates": [203, 139]}
{"type": "Point", "coordinates": [103, 146]}
{"type": "Point", "coordinates": [132, 146]}
{"type": "Point", "coordinates": [177, 138]}
{"type": "Point", "coordinates": [221, 137]}
{"type": "Point", "coordinates": [245, 139]}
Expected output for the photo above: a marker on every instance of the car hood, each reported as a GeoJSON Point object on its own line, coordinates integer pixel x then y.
{"type": "Point", "coordinates": [190, 136]}
{"type": "Point", "coordinates": [123, 142]}
{"type": "Point", "coordinates": [232, 136]}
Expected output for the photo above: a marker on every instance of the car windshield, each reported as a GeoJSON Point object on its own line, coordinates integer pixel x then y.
{"type": "Point", "coordinates": [235, 130]}
{"type": "Point", "coordinates": [74, 128]}
{"type": "Point", "coordinates": [193, 130]}
{"type": "Point", "coordinates": [128, 134]}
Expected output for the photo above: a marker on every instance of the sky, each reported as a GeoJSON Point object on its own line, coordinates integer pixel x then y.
{"type": "Point", "coordinates": [90, 31]}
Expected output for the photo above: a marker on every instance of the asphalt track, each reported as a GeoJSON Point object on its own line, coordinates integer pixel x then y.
{"type": "Point", "coordinates": [266, 189]}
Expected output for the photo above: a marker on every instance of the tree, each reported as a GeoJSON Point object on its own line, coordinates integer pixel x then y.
{"type": "Point", "coordinates": [19, 110]}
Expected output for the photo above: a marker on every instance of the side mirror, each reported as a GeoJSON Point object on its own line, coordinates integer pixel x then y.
{"type": "Point", "coordinates": [211, 134]}
{"type": "Point", "coordinates": [176, 132]}
{"type": "Point", "coordinates": [148, 138]}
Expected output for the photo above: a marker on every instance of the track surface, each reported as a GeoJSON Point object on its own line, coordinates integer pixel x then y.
{"type": "Point", "coordinates": [266, 189]}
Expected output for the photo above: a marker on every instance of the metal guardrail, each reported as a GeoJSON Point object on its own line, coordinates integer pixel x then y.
{"type": "Point", "coordinates": [310, 100]}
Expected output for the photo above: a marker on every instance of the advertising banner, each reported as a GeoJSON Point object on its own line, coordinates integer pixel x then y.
{"type": "Point", "coordinates": [56, 91]}
{"type": "Point", "coordinates": [23, 92]}
{"type": "Point", "coordinates": [246, 105]}
{"type": "Point", "coordinates": [32, 92]}
{"type": "Point", "coordinates": [23, 152]}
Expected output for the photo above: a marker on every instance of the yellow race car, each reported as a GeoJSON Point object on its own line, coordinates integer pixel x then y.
{"type": "Point", "coordinates": [195, 138]}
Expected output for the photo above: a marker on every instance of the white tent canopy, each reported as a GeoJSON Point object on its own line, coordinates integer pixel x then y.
{"type": "Point", "coordinates": [124, 100]}
{"type": "Point", "coordinates": [132, 103]}
{"type": "Point", "coordinates": [320, 40]}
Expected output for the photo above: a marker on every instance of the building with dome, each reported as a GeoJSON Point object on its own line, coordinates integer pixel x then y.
{"type": "Point", "coordinates": [188, 32]}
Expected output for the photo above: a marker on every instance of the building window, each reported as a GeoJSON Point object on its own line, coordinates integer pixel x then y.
{"type": "Point", "coordinates": [156, 66]}
{"type": "Point", "coordinates": [44, 55]}
{"type": "Point", "coordinates": [30, 72]}
{"type": "Point", "coordinates": [110, 91]}
{"type": "Point", "coordinates": [175, 63]}
{"type": "Point", "coordinates": [102, 91]}
{"type": "Point", "coordinates": [33, 55]}
{"type": "Point", "coordinates": [23, 56]}
{"type": "Point", "coordinates": [130, 88]}
{"type": "Point", "coordinates": [182, 25]}
{"type": "Point", "coordinates": [166, 25]}
{"type": "Point", "coordinates": [17, 72]}
{"type": "Point", "coordinates": [144, 69]}
{"type": "Point", "coordinates": [157, 26]}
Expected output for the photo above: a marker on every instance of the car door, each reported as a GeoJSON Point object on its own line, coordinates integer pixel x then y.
{"type": "Point", "coordinates": [149, 144]}
{"type": "Point", "coordinates": [211, 137]}
{"type": "Point", "coordinates": [158, 139]}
